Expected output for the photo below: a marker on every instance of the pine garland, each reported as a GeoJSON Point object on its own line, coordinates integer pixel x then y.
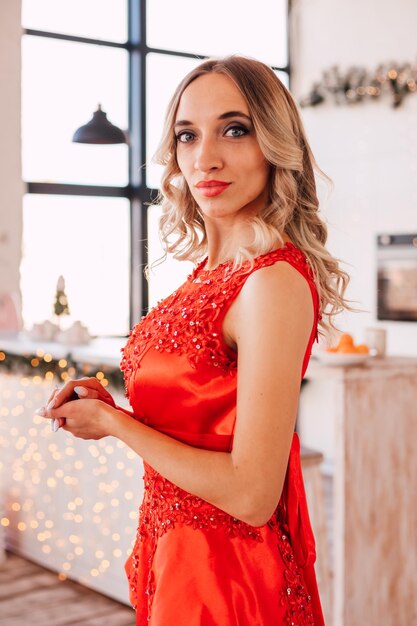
{"type": "Point", "coordinates": [358, 84]}
{"type": "Point", "coordinates": [47, 368]}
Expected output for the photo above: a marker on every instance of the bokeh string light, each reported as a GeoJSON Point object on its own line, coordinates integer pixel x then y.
{"type": "Point", "coordinates": [67, 503]}
{"type": "Point", "coordinates": [358, 84]}
{"type": "Point", "coordinates": [43, 366]}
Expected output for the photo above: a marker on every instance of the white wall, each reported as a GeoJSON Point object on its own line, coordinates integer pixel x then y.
{"type": "Point", "coordinates": [11, 187]}
{"type": "Point", "coordinates": [369, 150]}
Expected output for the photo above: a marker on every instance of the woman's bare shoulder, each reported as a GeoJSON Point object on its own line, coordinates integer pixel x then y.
{"type": "Point", "coordinates": [273, 298]}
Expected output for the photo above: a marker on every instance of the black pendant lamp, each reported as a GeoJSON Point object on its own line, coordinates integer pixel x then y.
{"type": "Point", "coordinates": [99, 130]}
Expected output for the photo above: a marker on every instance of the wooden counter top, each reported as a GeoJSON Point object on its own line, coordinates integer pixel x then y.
{"type": "Point", "coordinates": [373, 367]}
{"type": "Point", "coordinates": [364, 420]}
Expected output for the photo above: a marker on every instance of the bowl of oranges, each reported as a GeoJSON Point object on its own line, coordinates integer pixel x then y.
{"type": "Point", "coordinates": [345, 352]}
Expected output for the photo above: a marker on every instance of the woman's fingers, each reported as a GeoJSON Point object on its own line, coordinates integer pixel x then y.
{"type": "Point", "coordinates": [85, 392]}
{"type": "Point", "coordinates": [68, 393]}
{"type": "Point", "coordinates": [52, 396]}
{"type": "Point", "coordinates": [104, 395]}
{"type": "Point", "coordinates": [56, 424]}
{"type": "Point", "coordinates": [94, 394]}
{"type": "Point", "coordinates": [55, 415]}
{"type": "Point", "coordinates": [83, 388]}
{"type": "Point", "coordinates": [62, 395]}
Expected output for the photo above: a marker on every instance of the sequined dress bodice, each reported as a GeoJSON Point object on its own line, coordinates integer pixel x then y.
{"type": "Point", "coordinates": [181, 340]}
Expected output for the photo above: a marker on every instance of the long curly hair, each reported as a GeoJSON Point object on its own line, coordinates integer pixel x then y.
{"type": "Point", "coordinates": [293, 205]}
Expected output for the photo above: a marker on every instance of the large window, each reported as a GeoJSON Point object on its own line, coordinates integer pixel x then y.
{"type": "Point", "coordinates": [86, 240]}
{"type": "Point", "coordinates": [63, 81]}
{"type": "Point", "coordinates": [88, 213]}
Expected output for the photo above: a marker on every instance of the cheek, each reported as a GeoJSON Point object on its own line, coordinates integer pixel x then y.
{"type": "Point", "coordinates": [255, 162]}
{"type": "Point", "coordinates": [258, 176]}
{"type": "Point", "coordinates": [259, 171]}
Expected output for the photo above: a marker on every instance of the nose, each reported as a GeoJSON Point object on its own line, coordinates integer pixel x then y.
{"type": "Point", "coordinates": [208, 156]}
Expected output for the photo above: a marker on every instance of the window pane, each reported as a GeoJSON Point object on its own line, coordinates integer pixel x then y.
{"type": "Point", "coordinates": [96, 19]}
{"type": "Point", "coordinates": [163, 75]}
{"type": "Point", "coordinates": [283, 76]}
{"type": "Point", "coordinates": [85, 240]}
{"type": "Point", "coordinates": [258, 30]}
{"type": "Point", "coordinates": [62, 83]}
{"type": "Point", "coordinates": [170, 274]}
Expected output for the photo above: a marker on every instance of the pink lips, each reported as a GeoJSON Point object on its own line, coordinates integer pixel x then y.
{"type": "Point", "coordinates": [210, 188]}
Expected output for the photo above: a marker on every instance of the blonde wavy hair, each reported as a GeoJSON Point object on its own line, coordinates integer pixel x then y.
{"type": "Point", "coordinates": [293, 205]}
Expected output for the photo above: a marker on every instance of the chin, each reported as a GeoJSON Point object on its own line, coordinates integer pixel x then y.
{"type": "Point", "coordinates": [215, 208]}
{"type": "Point", "coordinates": [216, 213]}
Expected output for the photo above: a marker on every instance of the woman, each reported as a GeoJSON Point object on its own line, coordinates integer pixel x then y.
{"type": "Point", "coordinates": [213, 372]}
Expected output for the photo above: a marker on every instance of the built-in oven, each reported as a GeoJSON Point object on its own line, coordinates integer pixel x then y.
{"type": "Point", "coordinates": [397, 277]}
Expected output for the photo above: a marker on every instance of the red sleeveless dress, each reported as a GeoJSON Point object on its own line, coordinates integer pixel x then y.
{"type": "Point", "coordinates": [192, 563]}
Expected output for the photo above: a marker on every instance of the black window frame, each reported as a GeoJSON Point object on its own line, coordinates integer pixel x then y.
{"type": "Point", "coordinates": [139, 195]}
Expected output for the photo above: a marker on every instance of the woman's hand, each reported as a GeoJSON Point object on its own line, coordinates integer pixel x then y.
{"type": "Point", "coordinates": [86, 419]}
{"type": "Point", "coordinates": [85, 388]}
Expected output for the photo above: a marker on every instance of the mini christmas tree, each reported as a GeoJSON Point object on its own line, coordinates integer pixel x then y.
{"type": "Point", "coordinates": [61, 301]}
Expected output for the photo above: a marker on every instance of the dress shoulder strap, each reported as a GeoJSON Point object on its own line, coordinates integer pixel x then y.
{"type": "Point", "coordinates": [288, 253]}
{"type": "Point", "coordinates": [225, 273]}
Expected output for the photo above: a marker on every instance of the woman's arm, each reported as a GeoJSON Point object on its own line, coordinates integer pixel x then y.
{"type": "Point", "coordinates": [270, 322]}
{"type": "Point", "coordinates": [271, 326]}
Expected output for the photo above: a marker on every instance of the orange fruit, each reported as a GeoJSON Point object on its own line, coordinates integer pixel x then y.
{"type": "Point", "coordinates": [362, 348]}
{"type": "Point", "coordinates": [346, 349]}
{"type": "Point", "coordinates": [345, 340]}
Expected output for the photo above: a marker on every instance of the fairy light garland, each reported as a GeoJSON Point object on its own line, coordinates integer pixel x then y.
{"type": "Point", "coordinates": [357, 84]}
{"type": "Point", "coordinates": [43, 365]}
{"type": "Point", "coordinates": [68, 503]}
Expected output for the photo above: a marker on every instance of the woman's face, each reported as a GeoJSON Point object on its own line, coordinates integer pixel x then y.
{"type": "Point", "coordinates": [217, 150]}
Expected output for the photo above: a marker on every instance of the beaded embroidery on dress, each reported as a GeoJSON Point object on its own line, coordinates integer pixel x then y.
{"type": "Point", "coordinates": [188, 320]}
{"type": "Point", "coordinates": [193, 564]}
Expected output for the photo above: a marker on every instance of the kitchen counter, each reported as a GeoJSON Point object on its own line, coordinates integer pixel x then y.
{"type": "Point", "coordinates": [100, 351]}
{"type": "Point", "coordinates": [372, 367]}
{"type": "Point", "coordinates": [364, 420]}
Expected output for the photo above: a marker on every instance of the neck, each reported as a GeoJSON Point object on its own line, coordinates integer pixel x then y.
{"type": "Point", "coordinates": [223, 246]}
{"type": "Point", "coordinates": [221, 250]}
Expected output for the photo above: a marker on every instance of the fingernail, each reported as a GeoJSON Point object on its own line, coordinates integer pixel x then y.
{"type": "Point", "coordinates": [54, 425]}
{"type": "Point", "coordinates": [51, 404]}
{"type": "Point", "coordinates": [41, 411]}
{"type": "Point", "coordinates": [81, 391]}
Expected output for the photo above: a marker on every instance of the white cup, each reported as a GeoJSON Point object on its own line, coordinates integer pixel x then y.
{"type": "Point", "coordinates": [375, 339]}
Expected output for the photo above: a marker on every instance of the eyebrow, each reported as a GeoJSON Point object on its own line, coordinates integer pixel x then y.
{"type": "Point", "coordinates": [223, 116]}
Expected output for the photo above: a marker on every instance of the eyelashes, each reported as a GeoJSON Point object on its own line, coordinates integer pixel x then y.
{"type": "Point", "coordinates": [236, 131]}
{"type": "Point", "coordinates": [240, 129]}
{"type": "Point", "coordinates": [185, 136]}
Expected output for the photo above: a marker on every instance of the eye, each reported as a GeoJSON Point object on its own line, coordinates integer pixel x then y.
{"type": "Point", "coordinates": [185, 136]}
{"type": "Point", "coordinates": [236, 131]}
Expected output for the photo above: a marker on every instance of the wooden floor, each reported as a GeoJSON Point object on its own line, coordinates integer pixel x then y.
{"type": "Point", "coordinates": [33, 596]}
